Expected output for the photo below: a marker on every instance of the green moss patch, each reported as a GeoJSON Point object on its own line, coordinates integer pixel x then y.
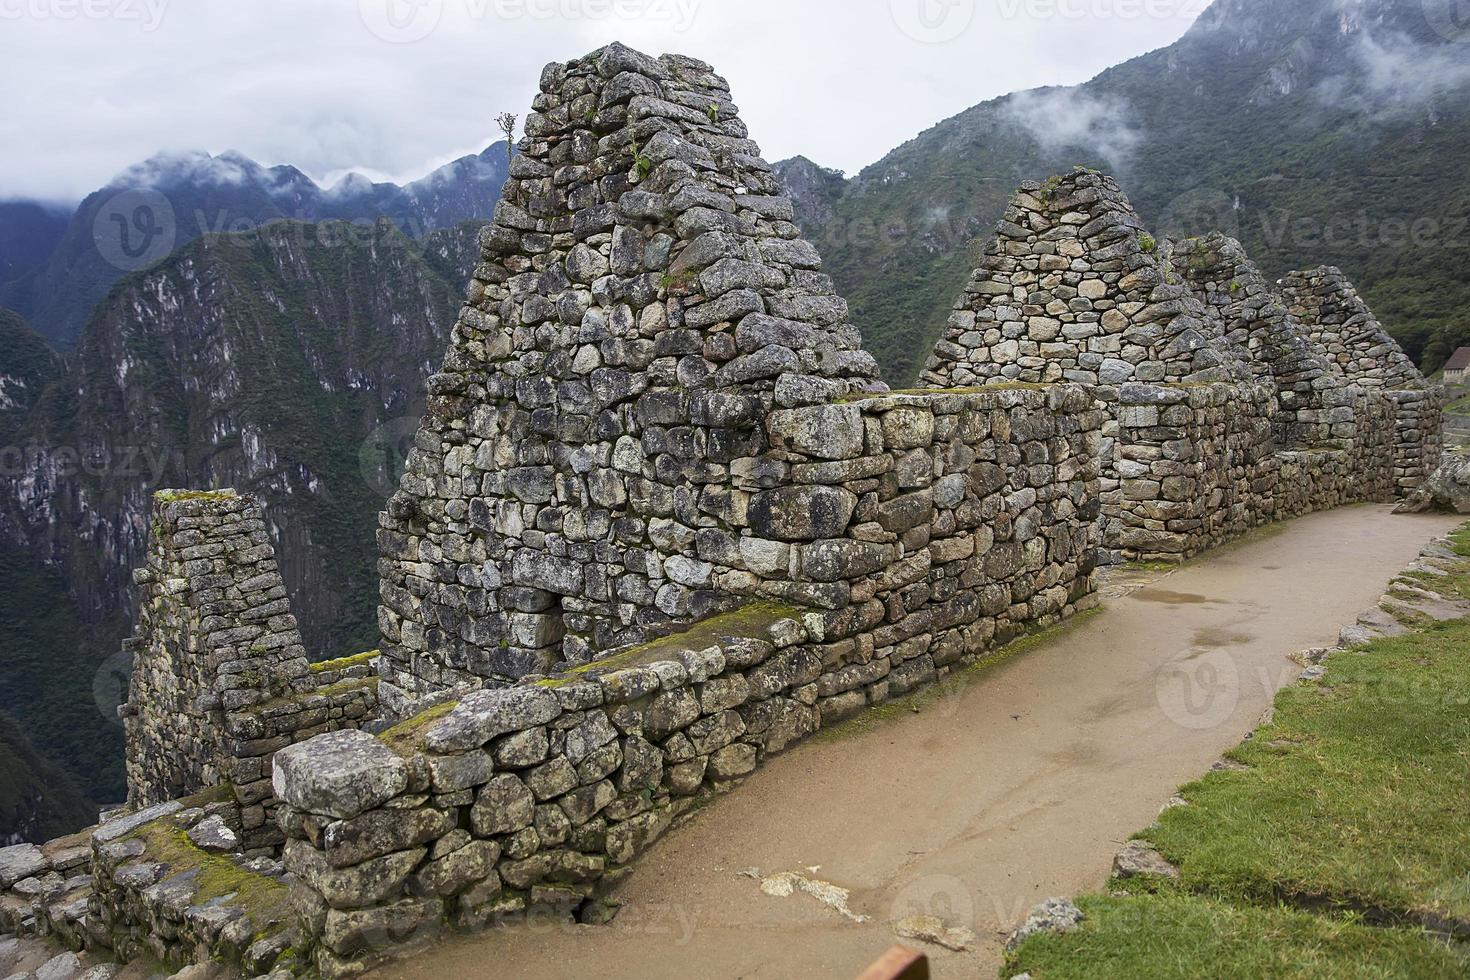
{"type": "Point", "coordinates": [174, 496]}
{"type": "Point", "coordinates": [343, 663]}
{"type": "Point", "coordinates": [752, 621]}
{"type": "Point", "coordinates": [406, 737]}
{"type": "Point", "coordinates": [217, 878]}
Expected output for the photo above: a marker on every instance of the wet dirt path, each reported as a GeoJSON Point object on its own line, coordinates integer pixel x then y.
{"type": "Point", "coordinates": [1000, 792]}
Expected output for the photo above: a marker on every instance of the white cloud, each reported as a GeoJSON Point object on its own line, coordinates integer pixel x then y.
{"type": "Point", "coordinates": [308, 82]}
{"type": "Point", "coordinates": [1059, 119]}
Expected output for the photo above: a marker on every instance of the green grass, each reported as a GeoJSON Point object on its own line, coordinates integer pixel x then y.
{"type": "Point", "coordinates": [1339, 851]}
{"type": "Point", "coordinates": [1357, 795]}
{"type": "Point", "coordinates": [1170, 935]}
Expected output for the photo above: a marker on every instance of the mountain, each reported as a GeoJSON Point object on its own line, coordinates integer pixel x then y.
{"type": "Point", "coordinates": [288, 362]}
{"type": "Point", "coordinates": [158, 206]}
{"type": "Point", "coordinates": [29, 232]}
{"type": "Point", "coordinates": [27, 366]}
{"type": "Point", "coordinates": [38, 801]}
{"type": "Point", "coordinates": [1315, 131]}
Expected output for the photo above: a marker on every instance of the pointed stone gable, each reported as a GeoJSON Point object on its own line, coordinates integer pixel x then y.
{"type": "Point", "coordinates": [1073, 289]}
{"type": "Point", "coordinates": [1314, 408]}
{"type": "Point", "coordinates": [1336, 318]}
{"type": "Point", "coordinates": [645, 300]}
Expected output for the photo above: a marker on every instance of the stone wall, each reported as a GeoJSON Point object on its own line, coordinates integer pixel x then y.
{"type": "Point", "coordinates": [1194, 466]}
{"type": "Point", "coordinates": [164, 883]}
{"type": "Point", "coordinates": [1336, 317]}
{"type": "Point", "coordinates": [643, 302]}
{"type": "Point", "coordinates": [1075, 289]}
{"type": "Point", "coordinates": [220, 679]}
{"type": "Point", "coordinates": [1314, 407]}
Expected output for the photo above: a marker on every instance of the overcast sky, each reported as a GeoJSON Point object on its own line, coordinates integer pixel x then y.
{"type": "Point", "coordinates": [395, 87]}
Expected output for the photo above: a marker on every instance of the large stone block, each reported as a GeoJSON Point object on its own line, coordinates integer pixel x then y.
{"type": "Point", "coordinates": [340, 774]}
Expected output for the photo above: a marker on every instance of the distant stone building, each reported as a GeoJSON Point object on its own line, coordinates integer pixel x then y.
{"type": "Point", "coordinates": [1456, 366]}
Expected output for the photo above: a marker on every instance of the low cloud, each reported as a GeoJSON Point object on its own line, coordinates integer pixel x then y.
{"type": "Point", "coordinates": [1064, 118]}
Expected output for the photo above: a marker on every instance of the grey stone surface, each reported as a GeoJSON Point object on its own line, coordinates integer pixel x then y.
{"type": "Point", "coordinates": [340, 774]}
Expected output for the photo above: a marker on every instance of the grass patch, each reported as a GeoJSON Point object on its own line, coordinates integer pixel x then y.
{"type": "Point", "coordinates": [406, 737]}
{"type": "Point", "coordinates": [1170, 935]}
{"type": "Point", "coordinates": [1336, 852]}
{"type": "Point", "coordinates": [1357, 795]}
{"type": "Point", "coordinates": [265, 899]}
{"type": "Point", "coordinates": [752, 620]}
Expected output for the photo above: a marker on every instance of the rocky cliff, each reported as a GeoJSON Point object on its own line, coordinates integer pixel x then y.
{"type": "Point", "coordinates": [288, 362]}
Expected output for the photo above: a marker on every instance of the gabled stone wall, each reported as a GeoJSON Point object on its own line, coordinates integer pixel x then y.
{"type": "Point", "coordinates": [1336, 317]}
{"type": "Point", "coordinates": [1314, 408]}
{"type": "Point", "coordinates": [644, 302]}
{"type": "Point", "coordinates": [1074, 289]}
{"type": "Point", "coordinates": [220, 679]}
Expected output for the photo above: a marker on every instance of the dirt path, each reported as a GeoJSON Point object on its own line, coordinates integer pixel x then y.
{"type": "Point", "coordinates": [996, 795]}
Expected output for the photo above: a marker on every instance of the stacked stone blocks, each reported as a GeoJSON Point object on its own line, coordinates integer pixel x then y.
{"type": "Point", "coordinates": [220, 678]}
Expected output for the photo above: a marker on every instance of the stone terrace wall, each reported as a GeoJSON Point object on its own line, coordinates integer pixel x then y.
{"type": "Point", "coordinates": [1337, 318]}
{"type": "Point", "coordinates": [220, 679]}
{"type": "Point", "coordinates": [644, 301]}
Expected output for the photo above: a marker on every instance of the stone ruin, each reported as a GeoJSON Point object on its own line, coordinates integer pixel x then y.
{"type": "Point", "coordinates": [662, 522]}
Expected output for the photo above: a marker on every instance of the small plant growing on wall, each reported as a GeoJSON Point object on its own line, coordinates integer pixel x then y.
{"type": "Point", "coordinates": [507, 123]}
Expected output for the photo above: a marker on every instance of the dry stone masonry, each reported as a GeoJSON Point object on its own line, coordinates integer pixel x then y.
{"type": "Point", "coordinates": [662, 523]}
{"type": "Point", "coordinates": [1336, 318]}
{"type": "Point", "coordinates": [220, 678]}
{"type": "Point", "coordinates": [644, 302]}
{"type": "Point", "coordinates": [1233, 404]}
